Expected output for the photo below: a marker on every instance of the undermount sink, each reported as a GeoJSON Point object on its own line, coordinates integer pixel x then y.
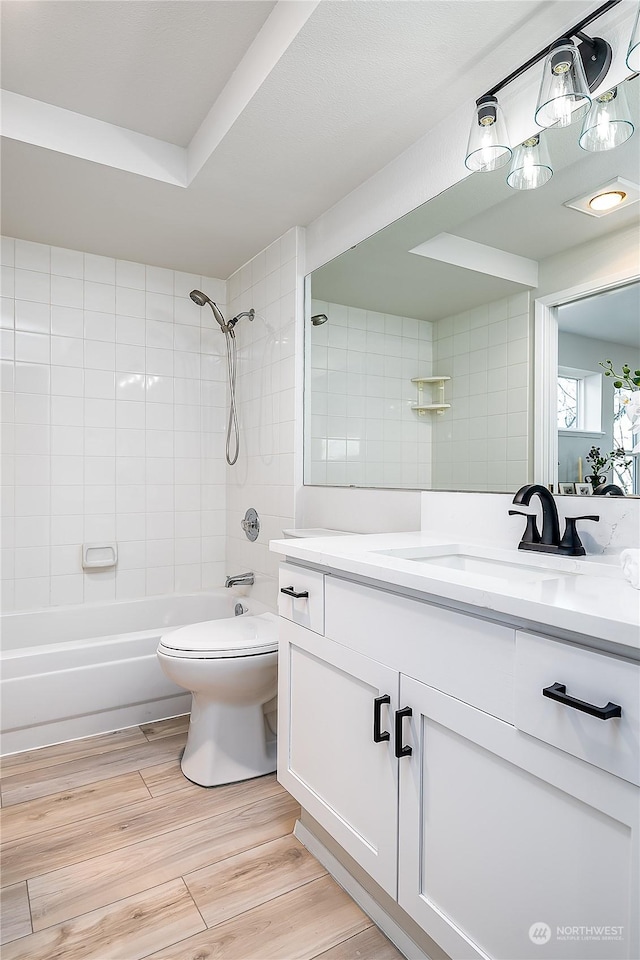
{"type": "Point", "coordinates": [469, 560]}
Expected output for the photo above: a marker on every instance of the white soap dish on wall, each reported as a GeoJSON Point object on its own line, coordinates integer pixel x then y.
{"type": "Point", "coordinates": [99, 555]}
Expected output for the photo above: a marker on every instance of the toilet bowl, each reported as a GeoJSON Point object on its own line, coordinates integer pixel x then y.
{"type": "Point", "coordinates": [231, 668]}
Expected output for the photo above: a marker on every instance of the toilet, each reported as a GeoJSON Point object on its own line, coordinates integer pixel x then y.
{"type": "Point", "coordinates": [231, 668]}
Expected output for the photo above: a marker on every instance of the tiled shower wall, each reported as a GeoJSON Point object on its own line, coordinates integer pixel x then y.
{"type": "Point", "coordinates": [264, 476]}
{"type": "Point", "coordinates": [360, 427]}
{"type": "Point", "coordinates": [113, 428]}
{"type": "Point", "coordinates": [481, 443]}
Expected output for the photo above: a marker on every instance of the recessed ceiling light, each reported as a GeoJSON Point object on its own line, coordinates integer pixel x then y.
{"type": "Point", "coordinates": [607, 198]}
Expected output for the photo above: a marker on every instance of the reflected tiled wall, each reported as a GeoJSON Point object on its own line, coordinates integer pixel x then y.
{"type": "Point", "coordinates": [358, 402]}
{"type": "Point", "coordinates": [113, 416]}
{"type": "Point", "coordinates": [481, 443]}
{"type": "Point", "coordinates": [264, 476]}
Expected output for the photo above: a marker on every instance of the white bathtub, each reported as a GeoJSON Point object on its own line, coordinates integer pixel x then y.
{"type": "Point", "coordinates": [71, 672]}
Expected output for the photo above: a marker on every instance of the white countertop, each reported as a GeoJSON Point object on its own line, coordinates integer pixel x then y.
{"type": "Point", "coordinates": [596, 601]}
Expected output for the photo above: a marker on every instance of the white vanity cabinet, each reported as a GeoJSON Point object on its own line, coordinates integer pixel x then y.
{"type": "Point", "coordinates": [499, 842]}
{"type": "Point", "coordinates": [327, 757]}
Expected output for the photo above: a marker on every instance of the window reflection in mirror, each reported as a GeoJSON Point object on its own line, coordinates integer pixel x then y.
{"type": "Point", "coordinates": [421, 377]}
{"type": "Point", "coordinates": [591, 411]}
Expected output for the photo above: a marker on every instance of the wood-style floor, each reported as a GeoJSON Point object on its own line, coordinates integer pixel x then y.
{"type": "Point", "coordinates": [109, 853]}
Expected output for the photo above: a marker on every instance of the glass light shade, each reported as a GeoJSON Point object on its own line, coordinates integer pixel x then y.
{"type": "Point", "coordinates": [633, 53]}
{"type": "Point", "coordinates": [564, 92]}
{"type": "Point", "coordinates": [608, 123]}
{"type": "Point", "coordinates": [531, 165]}
{"type": "Point", "coordinates": [488, 146]}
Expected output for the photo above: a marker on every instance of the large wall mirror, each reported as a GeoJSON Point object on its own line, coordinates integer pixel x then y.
{"type": "Point", "coordinates": [419, 352]}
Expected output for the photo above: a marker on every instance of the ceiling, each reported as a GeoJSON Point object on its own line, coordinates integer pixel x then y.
{"type": "Point", "coordinates": [381, 274]}
{"type": "Point", "coordinates": [151, 67]}
{"type": "Point", "coordinates": [613, 316]}
{"type": "Point", "coordinates": [273, 111]}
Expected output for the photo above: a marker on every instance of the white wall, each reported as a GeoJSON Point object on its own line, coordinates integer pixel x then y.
{"type": "Point", "coordinates": [265, 475]}
{"type": "Point", "coordinates": [113, 416]}
{"type": "Point", "coordinates": [360, 426]}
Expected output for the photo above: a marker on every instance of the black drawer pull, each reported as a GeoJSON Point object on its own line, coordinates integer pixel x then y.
{"type": "Point", "coordinates": [558, 691]}
{"type": "Point", "coordinates": [290, 592]}
{"type": "Point", "coordinates": [402, 751]}
{"type": "Point", "coordinates": [379, 735]}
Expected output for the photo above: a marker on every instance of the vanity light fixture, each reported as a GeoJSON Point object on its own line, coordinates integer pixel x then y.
{"type": "Point", "coordinates": [564, 91]}
{"type": "Point", "coordinates": [606, 198]}
{"type": "Point", "coordinates": [633, 53]}
{"type": "Point", "coordinates": [571, 72]}
{"type": "Point", "coordinates": [488, 147]}
{"type": "Point", "coordinates": [608, 123]}
{"type": "Point", "coordinates": [531, 165]}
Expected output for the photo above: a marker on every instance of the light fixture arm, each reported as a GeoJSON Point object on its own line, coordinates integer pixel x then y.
{"type": "Point", "coordinates": [588, 47]}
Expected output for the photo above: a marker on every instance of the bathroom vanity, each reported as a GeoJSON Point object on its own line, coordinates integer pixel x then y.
{"type": "Point", "coordinates": [464, 724]}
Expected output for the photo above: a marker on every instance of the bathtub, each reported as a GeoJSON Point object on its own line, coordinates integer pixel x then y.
{"type": "Point", "coordinates": [70, 672]}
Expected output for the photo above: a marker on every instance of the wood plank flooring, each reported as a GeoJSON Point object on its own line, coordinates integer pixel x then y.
{"type": "Point", "coordinates": [109, 853]}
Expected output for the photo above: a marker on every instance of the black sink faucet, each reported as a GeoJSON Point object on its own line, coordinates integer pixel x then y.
{"type": "Point", "coordinates": [549, 541]}
{"type": "Point", "coordinates": [550, 523]}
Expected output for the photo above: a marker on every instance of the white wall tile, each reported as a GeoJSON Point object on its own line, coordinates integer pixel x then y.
{"type": "Point", "coordinates": [129, 302]}
{"type": "Point", "coordinates": [7, 252]}
{"type": "Point", "coordinates": [99, 356]}
{"type": "Point", "coordinates": [67, 292]}
{"type": "Point", "coordinates": [32, 256]}
{"type": "Point", "coordinates": [99, 296]}
{"type": "Point", "coordinates": [66, 381]}
{"type": "Point", "coordinates": [99, 325]}
{"type": "Point", "coordinates": [129, 274]}
{"type": "Point", "coordinates": [118, 460]}
{"type": "Point", "coordinates": [67, 263]}
{"type": "Point", "coordinates": [67, 321]}
{"type": "Point", "coordinates": [32, 347]}
{"type": "Point", "coordinates": [32, 317]}
{"type": "Point", "coordinates": [100, 384]}
{"type": "Point", "coordinates": [159, 280]}
{"type": "Point", "coordinates": [99, 269]}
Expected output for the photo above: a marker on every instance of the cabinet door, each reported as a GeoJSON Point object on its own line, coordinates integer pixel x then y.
{"type": "Point", "coordinates": [327, 757]}
{"type": "Point", "coordinates": [510, 848]}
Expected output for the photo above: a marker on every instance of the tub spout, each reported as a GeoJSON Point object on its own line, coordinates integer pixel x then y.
{"type": "Point", "coordinates": [240, 579]}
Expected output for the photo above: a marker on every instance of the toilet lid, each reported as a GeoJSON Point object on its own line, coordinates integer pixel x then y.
{"type": "Point", "coordinates": [231, 637]}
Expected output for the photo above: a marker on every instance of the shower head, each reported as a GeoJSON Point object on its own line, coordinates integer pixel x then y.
{"type": "Point", "coordinates": [318, 319]}
{"type": "Point", "coordinates": [201, 298]}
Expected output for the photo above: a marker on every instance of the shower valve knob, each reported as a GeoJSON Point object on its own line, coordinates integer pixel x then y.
{"type": "Point", "coordinates": [251, 524]}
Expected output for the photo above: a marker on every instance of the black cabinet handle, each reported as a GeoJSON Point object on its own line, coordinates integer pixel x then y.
{"type": "Point", "coordinates": [378, 735]}
{"type": "Point", "coordinates": [402, 751]}
{"type": "Point", "coordinates": [558, 691]}
{"type": "Point", "coordinates": [290, 592]}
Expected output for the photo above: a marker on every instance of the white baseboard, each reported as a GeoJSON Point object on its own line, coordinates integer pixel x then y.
{"type": "Point", "coordinates": [357, 892]}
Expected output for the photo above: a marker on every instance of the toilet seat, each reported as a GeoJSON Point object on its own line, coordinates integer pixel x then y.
{"type": "Point", "coordinates": [220, 639]}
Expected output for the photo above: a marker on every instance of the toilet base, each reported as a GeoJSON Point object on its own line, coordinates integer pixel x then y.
{"type": "Point", "coordinates": [227, 743]}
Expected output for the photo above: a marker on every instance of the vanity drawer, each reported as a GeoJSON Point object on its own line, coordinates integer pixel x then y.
{"type": "Point", "coordinates": [465, 657]}
{"type": "Point", "coordinates": [587, 676]}
{"type": "Point", "coordinates": [308, 611]}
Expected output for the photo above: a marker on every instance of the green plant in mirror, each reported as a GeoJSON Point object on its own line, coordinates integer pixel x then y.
{"type": "Point", "coordinates": [624, 380]}
{"type": "Point", "coordinates": [600, 464]}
